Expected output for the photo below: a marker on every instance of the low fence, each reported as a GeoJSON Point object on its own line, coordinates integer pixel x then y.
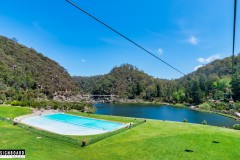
{"type": "Point", "coordinates": [10, 121]}
{"type": "Point", "coordinates": [51, 135]}
{"type": "Point", "coordinates": [71, 140]}
{"type": "Point", "coordinates": [44, 133]}
{"type": "Point", "coordinates": [109, 134]}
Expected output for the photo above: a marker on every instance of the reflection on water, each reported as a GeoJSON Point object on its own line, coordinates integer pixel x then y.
{"type": "Point", "coordinates": [164, 112]}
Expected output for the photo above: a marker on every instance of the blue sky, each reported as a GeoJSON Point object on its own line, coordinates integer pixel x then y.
{"type": "Point", "coordinates": [185, 33]}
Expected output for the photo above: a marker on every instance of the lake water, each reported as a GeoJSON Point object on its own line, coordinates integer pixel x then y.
{"type": "Point", "coordinates": [164, 112]}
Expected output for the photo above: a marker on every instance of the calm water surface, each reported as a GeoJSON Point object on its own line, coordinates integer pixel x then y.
{"type": "Point", "coordinates": [164, 112]}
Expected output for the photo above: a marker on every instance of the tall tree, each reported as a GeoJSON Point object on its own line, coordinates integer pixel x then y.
{"type": "Point", "coordinates": [236, 86]}
{"type": "Point", "coordinates": [196, 92]}
{"type": "Point", "coordinates": [158, 90]}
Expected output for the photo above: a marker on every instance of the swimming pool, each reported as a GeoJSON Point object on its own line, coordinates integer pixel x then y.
{"type": "Point", "coordinates": [67, 124]}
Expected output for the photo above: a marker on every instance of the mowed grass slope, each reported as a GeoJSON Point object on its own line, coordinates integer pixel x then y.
{"type": "Point", "coordinates": [12, 112]}
{"type": "Point", "coordinates": [151, 140]}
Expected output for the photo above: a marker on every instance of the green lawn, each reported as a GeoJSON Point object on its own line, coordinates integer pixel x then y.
{"type": "Point", "coordinates": [9, 111]}
{"type": "Point", "coordinates": [151, 140]}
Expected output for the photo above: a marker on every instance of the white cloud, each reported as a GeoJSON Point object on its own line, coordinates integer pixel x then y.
{"type": "Point", "coordinates": [199, 66]}
{"type": "Point", "coordinates": [83, 60]}
{"type": "Point", "coordinates": [193, 40]}
{"type": "Point", "coordinates": [209, 59]}
{"type": "Point", "coordinates": [160, 51]}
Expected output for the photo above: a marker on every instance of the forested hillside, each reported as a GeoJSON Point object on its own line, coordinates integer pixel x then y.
{"type": "Point", "coordinates": [210, 82]}
{"type": "Point", "coordinates": [128, 82]}
{"type": "Point", "coordinates": [26, 73]}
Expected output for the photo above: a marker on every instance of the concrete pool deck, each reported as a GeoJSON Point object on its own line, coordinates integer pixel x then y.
{"type": "Point", "coordinates": [60, 127]}
{"type": "Point", "coordinates": [37, 120]}
{"type": "Point", "coordinates": [34, 113]}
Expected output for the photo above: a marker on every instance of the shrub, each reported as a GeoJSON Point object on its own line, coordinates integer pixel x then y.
{"type": "Point", "coordinates": [205, 106]}
{"type": "Point", "coordinates": [219, 105]}
{"type": "Point", "coordinates": [237, 105]}
{"type": "Point", "coordinates": [232, 106]}
{"type": "Point", "coordinates": [180, 105]}
{"type": "Point", "coordinates": [236, 126]}
{"type": "Point", "coordinates": [204, 122]}
{"type": "Point", "coordinates": [185, 120]}
{"type": "Point", "coordinates": [14, 103]}
{"type": "Point", "coordinates": [2, 97]}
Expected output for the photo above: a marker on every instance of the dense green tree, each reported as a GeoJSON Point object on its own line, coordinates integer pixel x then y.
{"type": "Point", "coordinates": [179, 95]}
{"type": "Point", "coordinates": [236, 86]}
{"type": "Point", "coordinates": [203, 81]}
{"type": "Point", "coordinates": [223, 84]}
{"type": "Point", "coordinates": [150, 93]}
{"type": "Point", "coordinates": [197, 95]}
{"type": "Point", "coordinates": [138, 89]}
{"type": "Point", "coordinates": [219, 95]}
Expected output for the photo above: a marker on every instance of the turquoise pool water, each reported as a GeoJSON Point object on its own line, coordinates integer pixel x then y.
{"type": "Point", "coordinates": [67, 124]}
{"type": "Point", "coordinates": [84, 121]}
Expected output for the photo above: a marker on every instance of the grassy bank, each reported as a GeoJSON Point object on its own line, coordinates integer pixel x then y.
{"type": "Point", "coordinates": [151, 140]}
{"type": "Point", "coordinates": [142, 103]}
{"type": "Point", "coordinates": [219, 113]}
{"type": "Point", "coordinates": [12, 112]}
{"type": "Point", "coordinates": [179, 105]}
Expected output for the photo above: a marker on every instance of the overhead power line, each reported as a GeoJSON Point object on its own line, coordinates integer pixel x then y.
{"type": "Point", "coordinates": [128, 39]}
{"type": "Point", "coordinates": [234, 31]}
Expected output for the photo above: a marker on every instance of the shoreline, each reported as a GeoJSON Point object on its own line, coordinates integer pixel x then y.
{"type": "Point", "coordinates": [180, 105]}
{"type": "Point", "coordinates": [219, 113]}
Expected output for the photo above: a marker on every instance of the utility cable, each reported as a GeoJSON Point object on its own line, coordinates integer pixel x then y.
{"type": "Point", "coordinates": [234, 32]}
{"type": "Point", "coordinates": [123, 36]}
